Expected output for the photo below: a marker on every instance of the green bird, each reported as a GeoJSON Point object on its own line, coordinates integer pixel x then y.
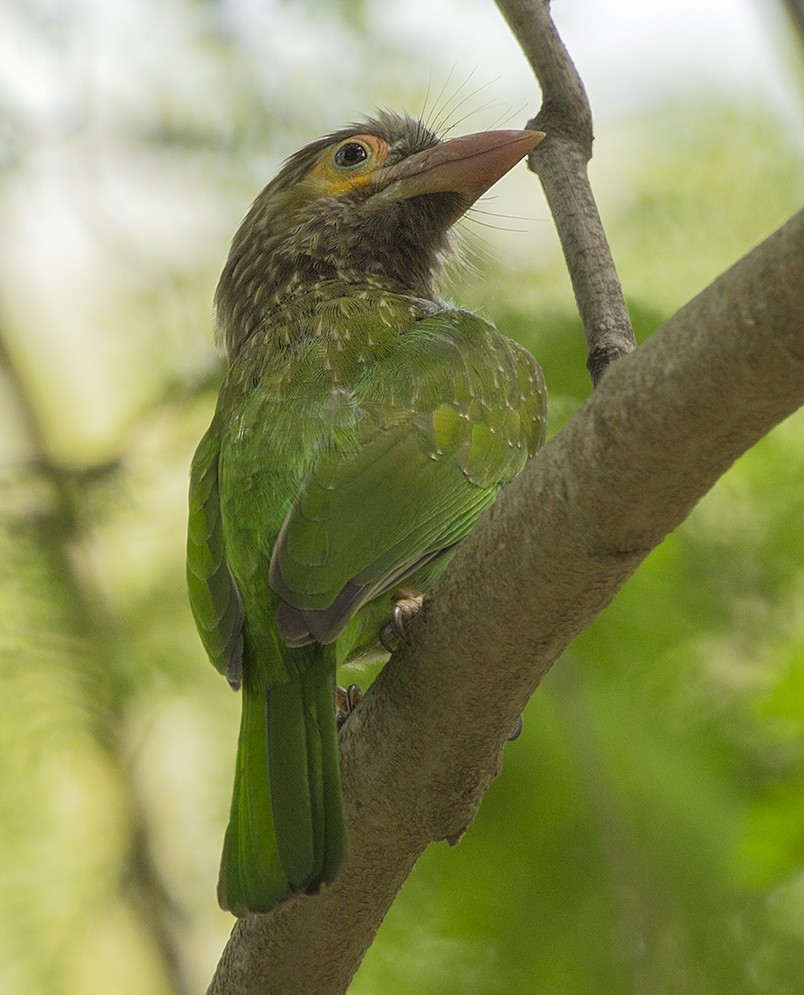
{"type": "Point", "coordinates": [362, 428]}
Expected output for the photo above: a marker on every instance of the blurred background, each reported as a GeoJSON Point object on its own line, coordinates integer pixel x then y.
{"type": "Point", "coordinates": [646, 834]}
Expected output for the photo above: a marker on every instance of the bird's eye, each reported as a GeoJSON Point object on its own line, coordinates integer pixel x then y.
{"type": "Point", "coordinates": [350, 155]}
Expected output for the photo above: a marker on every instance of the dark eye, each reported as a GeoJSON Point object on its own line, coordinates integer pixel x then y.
{"type": "Point", "coordinates": [350, 155]}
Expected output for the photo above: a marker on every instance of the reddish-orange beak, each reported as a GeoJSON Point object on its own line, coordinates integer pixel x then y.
{"type": "Point", "coordinates": [467, 166]}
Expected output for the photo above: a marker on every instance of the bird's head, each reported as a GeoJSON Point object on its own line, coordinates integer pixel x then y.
{"type": "Point", "coordinates": [375, 201]}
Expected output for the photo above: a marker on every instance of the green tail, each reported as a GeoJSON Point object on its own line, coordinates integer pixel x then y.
{"type": "Point", "coordinates": [286, 831]}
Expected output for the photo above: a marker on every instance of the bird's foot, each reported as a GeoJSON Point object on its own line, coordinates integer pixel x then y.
{"type": "Point", "coordinates": [346, 701]}
{"type": "Point", "coordinates": [516, 732]}
{"type": "Point", "coordinates": [407, 605]}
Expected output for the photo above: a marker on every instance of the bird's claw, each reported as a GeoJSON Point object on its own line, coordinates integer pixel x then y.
{"type": "Point", "coordinates": [407, 605]}
{"type": "Point", "coordinates": [346, 701]}
{"type": "Point", "coordinates": [516, 732]}
{"type": "Point", "coordinates": [393, 632]}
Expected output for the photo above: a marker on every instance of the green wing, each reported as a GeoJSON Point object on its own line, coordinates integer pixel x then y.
{"type": "Point", "coordinates": [214, 598]}
{"type": "Point", "coordinates": [453, 412]}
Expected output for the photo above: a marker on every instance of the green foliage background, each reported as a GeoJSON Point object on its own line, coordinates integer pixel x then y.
{"type": "Point", "coordinates": [647, 832]}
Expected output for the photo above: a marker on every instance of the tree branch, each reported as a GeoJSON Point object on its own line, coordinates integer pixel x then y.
{"type": "Point", "coordinates": [665, 423]}
{"type": "Point", "coordinates": [795, 11]}
{"type": "Point", "coordinates": [560, 162]}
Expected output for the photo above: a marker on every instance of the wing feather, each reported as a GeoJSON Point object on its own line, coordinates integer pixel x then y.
{"type": "Point", "coordinates": [443, 420]}
{"type": "Point", "coordinates": [214, 597]}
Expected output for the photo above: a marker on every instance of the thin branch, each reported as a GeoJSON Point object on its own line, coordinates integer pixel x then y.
{"type": "Point", "coordinates": [795, 11]}
{"type": "Point", "coordinates": [664, 425]}
{"type": "Point", "coordinates": [560, 162]}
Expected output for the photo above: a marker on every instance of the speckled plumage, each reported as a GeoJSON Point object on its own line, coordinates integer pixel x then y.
{"type": "Point", "coordinates": [326, 238]}
{"type": "Point", "coordinates": [362, 428]}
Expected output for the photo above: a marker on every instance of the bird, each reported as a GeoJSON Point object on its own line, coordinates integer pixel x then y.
{"type": "Point", "coordinates": [362, 426]}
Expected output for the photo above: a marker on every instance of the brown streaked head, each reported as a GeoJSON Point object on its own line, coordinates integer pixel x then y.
{"type": "Point", "coordinates": [374, 201]}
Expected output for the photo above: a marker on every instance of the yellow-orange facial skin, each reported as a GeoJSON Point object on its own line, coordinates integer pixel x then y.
{"type": "Point", "coordinates": [331, 178]}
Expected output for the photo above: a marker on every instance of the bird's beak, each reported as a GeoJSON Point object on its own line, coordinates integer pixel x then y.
{"type": "Point", "coordinates": [466, 166]}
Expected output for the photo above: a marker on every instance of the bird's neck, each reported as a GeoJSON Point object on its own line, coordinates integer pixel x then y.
{"type": "Point", "coordinates": [299, 310]}
{"type": "Point", "coordinates": [271, 266]}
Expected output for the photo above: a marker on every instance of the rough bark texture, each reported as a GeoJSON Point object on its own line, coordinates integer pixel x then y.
{"type": "Point", "coordinates": [665, 423]}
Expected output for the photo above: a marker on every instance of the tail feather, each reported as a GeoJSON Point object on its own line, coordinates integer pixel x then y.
{"type": "Point", "coordinates": [286, 831]}
{"type": "Point", "coordinates": [329, 796]}
{"type": "Point", "coordinates": [294, 781]}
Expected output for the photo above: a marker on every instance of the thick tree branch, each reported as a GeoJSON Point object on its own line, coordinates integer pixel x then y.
{"type": "Point", "coordinates": [560, 162]}
{"type": "Point", "coordinates": [427, 740]}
